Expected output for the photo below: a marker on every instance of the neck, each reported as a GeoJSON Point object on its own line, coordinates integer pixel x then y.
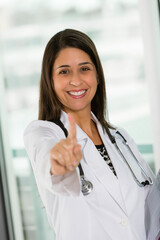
{"type": "Point", "coordinates": [83, 120]}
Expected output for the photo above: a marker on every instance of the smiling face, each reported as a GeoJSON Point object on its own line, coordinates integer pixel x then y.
{"type": "Point", "coordinates": [75, 79]}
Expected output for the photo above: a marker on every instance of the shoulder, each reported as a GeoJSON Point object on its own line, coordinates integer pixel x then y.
{"type": "Point", "coordinates": [120, 130]}
{"type": "Point", "coordinates": [124, 134]}
{"type": "Point", "coordinates": [45, 129]}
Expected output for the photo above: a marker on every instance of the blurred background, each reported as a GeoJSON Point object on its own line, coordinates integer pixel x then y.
{"type": "Point", "coordinates": [127, 36]}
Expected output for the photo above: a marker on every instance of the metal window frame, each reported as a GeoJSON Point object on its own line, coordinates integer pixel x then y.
{"type": "Point", "coordinates": [3, 213]}
{"type": "Point", "coordinates": [5, 206]}
{"type": "Point", "coordinates": [10, 204]}
{"type": "Point", "coordinates": [6, 214]}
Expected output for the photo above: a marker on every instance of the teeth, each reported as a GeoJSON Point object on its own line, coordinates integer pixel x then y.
{"type": "Point", "coordinates": [77, 93]}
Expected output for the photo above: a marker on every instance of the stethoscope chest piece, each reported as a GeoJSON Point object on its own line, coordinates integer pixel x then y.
{"type": "Point", "coordinates": [86, 186]}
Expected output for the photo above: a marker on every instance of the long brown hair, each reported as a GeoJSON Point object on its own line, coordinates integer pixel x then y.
{"type": "Point", "coordinates": [49, 105]}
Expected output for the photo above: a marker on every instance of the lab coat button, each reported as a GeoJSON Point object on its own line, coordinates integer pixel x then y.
{"type": "Point", "coordinates": [123, 222]}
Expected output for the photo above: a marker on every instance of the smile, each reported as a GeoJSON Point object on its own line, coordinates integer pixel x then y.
{"type": "Point", "coordinates": [77, 94]}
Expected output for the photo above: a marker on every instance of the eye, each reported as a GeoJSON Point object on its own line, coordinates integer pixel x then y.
{"type": "Point", "coordinates": [84, 69]}
{"type": "Point", "coordinates": [64, 71]}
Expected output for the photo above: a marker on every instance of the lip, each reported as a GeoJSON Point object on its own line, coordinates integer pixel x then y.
{"type": "Point", "coordinates": [84, 91]}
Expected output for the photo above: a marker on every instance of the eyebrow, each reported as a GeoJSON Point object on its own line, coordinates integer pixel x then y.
{"type": "Point", "coordinates": [83, 63]}
{"type": "Point", "coordinates": [63, 66]}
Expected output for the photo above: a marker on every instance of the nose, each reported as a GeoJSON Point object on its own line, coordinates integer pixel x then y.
{"type": "Point", "coordinates": [75, 80]}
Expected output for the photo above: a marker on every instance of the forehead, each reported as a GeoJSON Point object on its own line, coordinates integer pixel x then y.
{"type": "Point", "coordinates": [71, 54]}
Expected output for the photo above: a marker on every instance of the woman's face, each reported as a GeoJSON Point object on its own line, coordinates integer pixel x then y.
{"type": "Point", "coordinates": [75, 79]}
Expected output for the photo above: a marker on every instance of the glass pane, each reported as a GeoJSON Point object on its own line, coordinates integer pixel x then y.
{"type": "Point", "coordinates": [25, 28]}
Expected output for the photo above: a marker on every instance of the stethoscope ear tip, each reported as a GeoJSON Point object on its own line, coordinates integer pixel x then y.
{"type": "Point", "coordinates": [145, 183]}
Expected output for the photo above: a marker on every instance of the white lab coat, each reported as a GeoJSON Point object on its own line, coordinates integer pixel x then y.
{"type": "Point", "coordinates": [113, 210]}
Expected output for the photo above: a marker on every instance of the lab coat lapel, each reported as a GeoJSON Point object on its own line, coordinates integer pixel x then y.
{"type": "Point", "coordinates": [96, 163]}
{"type": "Point", "coordinates": [126, 179]}
{"type": "Point", "coordinates": [103, 173]}
{"type": "Point", "coordinates": [112, 183]}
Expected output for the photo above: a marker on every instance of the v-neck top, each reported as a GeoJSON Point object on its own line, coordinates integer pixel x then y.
{"type": "Point", "coordinates": [103, 151]}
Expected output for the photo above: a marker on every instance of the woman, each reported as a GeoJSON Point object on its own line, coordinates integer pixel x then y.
{"type": "Point", "coordinates": [72, 138]}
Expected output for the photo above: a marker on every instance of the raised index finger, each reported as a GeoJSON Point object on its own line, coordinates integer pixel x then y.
{"type": "Point", "coordinates": [72, 128]}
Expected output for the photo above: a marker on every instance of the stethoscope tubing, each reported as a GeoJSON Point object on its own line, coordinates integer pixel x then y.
{"type": "Point", "coordinates": [87, 186]}
{"type": "Point", "coordinates": [141, 184]}
{"type": "Point", "coordinates": [140, 165]}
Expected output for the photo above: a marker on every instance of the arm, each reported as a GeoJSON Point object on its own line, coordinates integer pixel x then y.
{"type": "Point", "coordinates": [39, 138]}
{"type": "Point", "coordinates": [66, 154]}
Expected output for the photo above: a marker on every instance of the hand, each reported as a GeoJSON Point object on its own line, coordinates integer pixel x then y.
{"type": "Point", "coordinates": [66, 154]}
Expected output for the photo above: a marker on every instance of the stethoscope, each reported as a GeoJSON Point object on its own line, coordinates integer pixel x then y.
{"type": "Point", "coordinates": [87, 186]}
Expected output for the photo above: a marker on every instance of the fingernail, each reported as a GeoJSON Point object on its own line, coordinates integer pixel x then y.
{"type": "Point", "coordinates": [75, 163]}
{"type": "Point", "coordinates": [70, 168]}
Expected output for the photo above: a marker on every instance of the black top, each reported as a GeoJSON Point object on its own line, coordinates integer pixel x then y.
{"type": "Point", "coordinates": [103, 151]}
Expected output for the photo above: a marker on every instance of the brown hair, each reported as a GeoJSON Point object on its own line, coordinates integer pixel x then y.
{"type": "Point", "coordinates": [49, 105]}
